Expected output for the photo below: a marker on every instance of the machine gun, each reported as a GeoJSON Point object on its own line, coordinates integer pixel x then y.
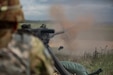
{"type": "Point", "coordinates": [45, 34]}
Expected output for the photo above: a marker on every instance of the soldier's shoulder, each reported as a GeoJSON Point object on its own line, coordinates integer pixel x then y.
{"type": "Point", "coordinates": [36, 44]}
{"type": "Point", "coordinates": [35, 41]}
{"type": "Point", "coordinates": [28, 40]}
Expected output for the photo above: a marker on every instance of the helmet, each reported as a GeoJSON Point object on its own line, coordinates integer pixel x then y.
{"type": "Point", "coordinates": [10, 10]}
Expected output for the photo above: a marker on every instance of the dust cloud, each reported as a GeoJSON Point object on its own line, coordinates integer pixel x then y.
{"type": "Point", "coordinates": [71, 27]}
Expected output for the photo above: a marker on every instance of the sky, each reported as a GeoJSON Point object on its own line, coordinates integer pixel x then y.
{"type": "Point", "coordinates": [39, 9]}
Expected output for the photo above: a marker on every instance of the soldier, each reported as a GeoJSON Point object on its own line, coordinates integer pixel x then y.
{"type": "Point", "coordinates": [20, 55]}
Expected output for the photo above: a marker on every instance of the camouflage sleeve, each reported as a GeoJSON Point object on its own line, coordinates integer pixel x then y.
{"type": "Point", "coordinates": [41, 63]}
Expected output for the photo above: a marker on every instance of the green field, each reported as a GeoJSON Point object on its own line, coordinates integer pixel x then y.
{"type": "Point", "coordinates": [92, 63]}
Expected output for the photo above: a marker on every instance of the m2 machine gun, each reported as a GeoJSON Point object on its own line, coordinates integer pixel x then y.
{"type": "Point", "coordinates": [44, 34]}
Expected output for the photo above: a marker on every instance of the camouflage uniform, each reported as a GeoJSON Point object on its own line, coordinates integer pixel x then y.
{"type": "Point", "coordinates": [24, 54]}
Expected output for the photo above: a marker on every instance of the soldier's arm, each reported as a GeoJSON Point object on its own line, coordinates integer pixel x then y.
{"type": "Point", "coordinates": [41, 63]}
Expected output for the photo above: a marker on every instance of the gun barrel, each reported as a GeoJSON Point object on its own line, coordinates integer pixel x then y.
{"type": "Point", "coordinates": [56, 33]}
{"type": "Point", "coordinates": [59, 32]}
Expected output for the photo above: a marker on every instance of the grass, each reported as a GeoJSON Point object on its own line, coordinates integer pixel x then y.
{"type": "Point", "coordinates": [92, 62]}
{"type": "Point", "coordinates": [104, 61]}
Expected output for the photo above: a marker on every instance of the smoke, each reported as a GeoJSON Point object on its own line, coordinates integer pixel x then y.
{"type": "Point", "coordinates": [71, 27]}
